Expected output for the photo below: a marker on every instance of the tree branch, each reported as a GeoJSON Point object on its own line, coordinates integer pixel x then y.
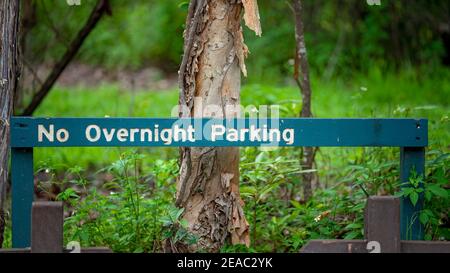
{"type": "Point", "coordinates": [100, 9]}
{"type": "Point", "coordinates": [301, 76]}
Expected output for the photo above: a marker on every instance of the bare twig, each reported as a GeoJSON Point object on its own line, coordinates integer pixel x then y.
{"type": "Point", "coordinates": [100, 9]}
{"type": "Point", "coordinates": [301, 76]}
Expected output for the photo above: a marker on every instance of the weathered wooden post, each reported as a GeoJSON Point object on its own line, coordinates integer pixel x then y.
{"type": "Point", "coordinates": [22, 177]}
{"type": "Point", "coordinates": [382, 232]}
{"type": "Point", "coordinates": [47, 227]}
{"type": "Point", "coordinates": [47, 231]}
{"type": "Point", "coordinates": [382, 222]}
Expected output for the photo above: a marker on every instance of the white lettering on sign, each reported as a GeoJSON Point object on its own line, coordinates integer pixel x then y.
{"type": "Point", "coordinates": [62, 135]}
{"type": "Point", "coordinates": [94, 133]}
{"type": "Point", "coordinates": [252, 134]}
{"type": "Point", "coordinates": [122, 135]}
{"type": "Point", "coordinates": [176, 133]}
{"type": "Point", "coordinates": [132, 133]}
{"type": "Point", "coordinates": [97, 134]}
{"type": "Point", "coordinates": [217, 130]}
{"type": "Point", "coordinates": [109, 135]}
{"type": "Point", "coordinates": [48, 134]}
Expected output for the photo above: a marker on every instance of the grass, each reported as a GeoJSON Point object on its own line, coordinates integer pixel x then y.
{"type": "Point", "coordinates": [106, 100]}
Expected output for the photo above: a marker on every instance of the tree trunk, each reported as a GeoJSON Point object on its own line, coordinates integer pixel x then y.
{"type": "Point", "coordinates": [208, 184]}
{"type": "Point", "coordinates": [9, 65]}
{"type": "Point", "coordinates": [301, 61]}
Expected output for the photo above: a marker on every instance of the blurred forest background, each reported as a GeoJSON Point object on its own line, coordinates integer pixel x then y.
{"type": "Point", "coordinates": [390, 60]}
{"type": "Point", "coordinates": [343, 38]}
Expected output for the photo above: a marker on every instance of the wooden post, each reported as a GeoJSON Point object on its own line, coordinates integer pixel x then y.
{"type": "Point", "coordinates": [382, 225]}
{"type": "Point", "coordinates": [47, 231]}
{"type": "Point", "coordinates": [22, 179]}
{"type": "Point", "coordinates": [335, 246]}
{"type": "Point", "coordinates": [411, 158]}
{"type": "Point", "coordinates": [47, 227]}
{"type": "Point", "coordinates": [382, 222]}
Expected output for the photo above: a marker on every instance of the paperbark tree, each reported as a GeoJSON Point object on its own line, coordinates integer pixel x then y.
{"type": "Point", "coordinates": [9, 67]}
{"type": "Point", "coordinates": [208, 184]}
{"type": "Point", "coordinates": [301, 76]}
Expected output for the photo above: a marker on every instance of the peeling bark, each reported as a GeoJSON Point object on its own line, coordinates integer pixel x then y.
{"type": "Point", "coordinates": [251, 16]}
{"type": "Point", "coordinates": [208, 184]}
{"type": "Point", "coordinates": [9, 69]}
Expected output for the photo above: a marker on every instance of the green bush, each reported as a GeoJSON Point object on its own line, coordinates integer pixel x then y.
{"type": "Point", "coordinates": [131, 211]}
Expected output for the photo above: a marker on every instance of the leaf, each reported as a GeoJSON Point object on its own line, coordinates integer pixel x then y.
{"type": "Point", "coordinates": [248, 191]}
{"type": "Point", "coordinates": [75, 170]}
{"type": "Point", "coordinates": [179, 235]}
{"type": "Point", "coordinates": [179, 213]}
{"type": "Point", "coordinates": [183, 5]}
{"type": "Point", "coordinates": [352, 235]}
{"type": "Point", "coordinates": [428, 195]}
{"type": "Point", "coordinates": [353, 226]}
{"type": "Point", "coordinates": [438, 191]}
{"type": "Point", "coordinates": [414, 197]}
{"type": "Point", "coordinates": [294, 215]}
{"type": "Point", "coordinates": [429, 212]}
{"type": "Point", "coordinates": [139, 250]}
{"type": "Point", "coordinates": [440, 176]}
{"type": "Point", "coordinates": [166, 221]}
{"type": "Point", "coordinates": [407, 191]}
{"type": "Point", "coordinates": [324, 230]}
{"type": "Point", "coordinates": [260, 158]}
{"type": "Point", "coordinates": [441, 158]}
{"type": "Point", "coordinates": [296, 204]}
{"type": "Point", "coordinates": [68, 193]}
{"type": "Point", "coordinates": [423, 217]}
{"type": "Point", "coordinates": [111, 185]}
{"type": "Point", "coordinates": [184, 223]}
{"type": "Point", "coordinates": [296, 242]}
{"type": "Point", "coordinates": [267, 189]}
{"type": "Point", "coordinates": [399, 194]}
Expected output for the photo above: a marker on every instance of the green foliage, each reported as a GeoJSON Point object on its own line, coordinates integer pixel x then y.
{"type": "Point", "coordinates": [138, 32]}
{"type": "Point", "coordinates": [351, 34]}
{"type": "Point", "coordinates": [279, 221]}
{"type": "Point", "coordinates": [270, 178]}
{"type": "Point", "coordinates": [130, 211]}
{"type": "Point", "coordinates": [176, 228]}
{"type": "Point", "coordinates": [434, 190]}
{"type": "Point", "coordinates": [414, 188]}
{"type": "Point", "coordinates": [128, 205]}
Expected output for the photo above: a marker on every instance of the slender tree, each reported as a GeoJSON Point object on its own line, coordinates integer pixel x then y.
{"type": "Point", "coordinates": [9, 67]}
{"type": "Point", "coordinates": [208, 184]}
{"type": "Point", "coordinates": [301, 76]}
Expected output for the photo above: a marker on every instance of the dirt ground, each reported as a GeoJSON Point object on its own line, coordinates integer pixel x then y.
{"type": "Point", "coordinates": [77, 74]}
